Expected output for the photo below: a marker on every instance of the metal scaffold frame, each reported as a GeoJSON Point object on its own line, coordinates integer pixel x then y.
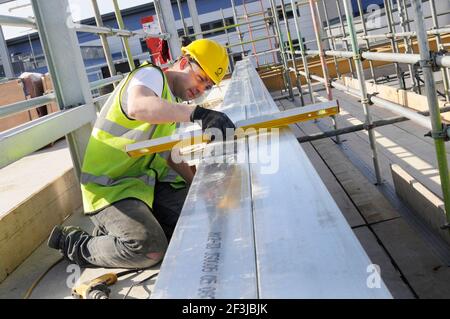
{"type": "Point", "coordinates": [57, 31]}
{"type": "Point", "coordinates": [77, 105]}
{"type": "Point", "coordinates": [426, 60]}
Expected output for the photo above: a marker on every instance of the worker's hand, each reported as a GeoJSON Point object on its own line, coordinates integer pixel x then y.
{"type": "Point", "coordinates": [212, 119]}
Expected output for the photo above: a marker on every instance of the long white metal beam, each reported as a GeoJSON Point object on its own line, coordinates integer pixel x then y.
{"type": "Point", "coordinates": [6, 58]}
{"type": "Point", "coordinates": [30, 137]}
{"type": "Point", "coordinates": [194, 16]}
{"type": "Point", "coordinates": [273, 214]}
{"type": "Point", "coordinates": [66, 66]}
{"type": "Point", "coordinates": [211, 254]}
{"type": "Point", "coordinates": [167, 22]}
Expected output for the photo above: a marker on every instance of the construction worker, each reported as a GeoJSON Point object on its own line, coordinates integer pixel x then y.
{"type": "Point", "coordinates": [134, 203]}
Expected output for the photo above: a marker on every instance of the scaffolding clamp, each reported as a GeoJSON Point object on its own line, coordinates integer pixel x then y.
{"type": "Point", "coordinates": [434, 55]}
{"type": "Point", "coordinates": [361, 51]}
{"type": "Point", "coordinates": [369, 126]}
{"type": "Point", "coordinates": [389, 35]}
{"type": "Point", "coordinates": [440, 135]}
{"type": "Point", "coordinates": [357, 56]}
{"type": "Point", "coordinates": [369, 98]}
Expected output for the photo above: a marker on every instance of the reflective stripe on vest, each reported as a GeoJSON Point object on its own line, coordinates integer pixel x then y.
{"type": "Point", "coordinates": [86, 178]}
{"type": "Point", "coordinates": [118, 130]}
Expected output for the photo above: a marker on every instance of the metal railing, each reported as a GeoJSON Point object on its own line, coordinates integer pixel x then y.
{"type": "Point", "coordinates": [77, 111]}
{"type": "Point", "coordinates": [426, 60]}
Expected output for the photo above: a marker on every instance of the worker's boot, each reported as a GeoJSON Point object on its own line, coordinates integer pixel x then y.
{"type": "Point", "coordinates": [58, 236]}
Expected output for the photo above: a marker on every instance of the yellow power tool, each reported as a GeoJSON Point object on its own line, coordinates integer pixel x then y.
{"type": "Point", "coordinates": [96, 288]}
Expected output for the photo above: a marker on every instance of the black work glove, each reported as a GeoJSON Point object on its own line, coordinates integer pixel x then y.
{"type": "Point", "coordinates": [212, 119]}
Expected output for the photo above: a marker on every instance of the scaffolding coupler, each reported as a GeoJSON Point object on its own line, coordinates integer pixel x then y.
{"type": "Point", "coordinates": [369, 97]}
{"type": "Point", "coordinates": [360, 53]}
{"type": "Point", "coordinates": [434, 55]}
{"type": "Point", "coordinates": [441, 135]}
{"type": "Point", "coordinates": [432, 62]}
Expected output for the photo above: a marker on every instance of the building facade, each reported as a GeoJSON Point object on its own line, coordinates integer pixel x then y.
{"type": "Point", "coordinates": [27, 55]}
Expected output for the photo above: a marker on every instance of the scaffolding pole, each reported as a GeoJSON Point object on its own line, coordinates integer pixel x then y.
{"type": "Point", "coordinates": [291, 48]}
{"type": "Point", "coordinates": [394, 47]}
{"type": "Point", "coordinates": [237, 28]}
{"type": "Point", "coordinates": [303, 54]}
{"type": "Point", "coordinates": [363, 23]}
{"type": "Point", "coordinates": [402, 13]}
{"type": "Point", "coordinates": [17, 22]}
{"type": "Point", "coordinates": [364, 96]}
{"type": "Point", "coordinates": [344, 34]}
{"type": "Point", "coordinates": [331, 40]}
{"type": "Point", "coordinates": [433, 105]}
{"type": "Point", "coordinates": [230, 57]}
{"type": "Point", "coordinates": [286, 71]}
{"type": "Point", "coordinates": [104, 40]}
{"type": "Point", "coordinates": [125, 42]}
{"type": "Point", "coordinates": [267, 31]}
{"type": "Point", "coordinates": [6, 58]}
{"type": "Point", "coordinates": [194, 16]}
{"type": "Point", "coordinates": [167, 24]}
{"type": "Point", "coordinates": [60, 44]}
{"type": "Point", "coordinates": [250, 33]}
{"type": "Point", "coordinates": [445, 73]}
{"type": "Point", "coordinates": [314, 14]}
{"type": "Point", "coordinates": [180, 10]}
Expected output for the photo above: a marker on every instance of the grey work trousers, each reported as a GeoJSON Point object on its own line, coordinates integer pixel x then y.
{"type": "Point", "coordinates": [128, 234]}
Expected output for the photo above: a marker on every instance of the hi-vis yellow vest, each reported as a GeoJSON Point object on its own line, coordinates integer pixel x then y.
{"type": "Point", "coordinates": [108, 173]}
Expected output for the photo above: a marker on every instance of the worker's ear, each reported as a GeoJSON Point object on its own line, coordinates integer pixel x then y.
{"type": "Point", "coordinates": [183, 63]}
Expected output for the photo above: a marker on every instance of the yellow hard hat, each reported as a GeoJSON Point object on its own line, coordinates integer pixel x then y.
{"type": "Point", "coordinates": [211, 56]}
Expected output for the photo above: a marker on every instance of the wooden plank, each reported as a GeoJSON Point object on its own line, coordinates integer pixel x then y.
{"type": "Point", "coordinates": [391, 276]}
{"type": "Point", "coordinates": [25, 227]}
{"type": "Point", "coordinates": [11, 92]}
{"type": "Point", "coordinates": [401, 143]}
{"type": "Point", "coordinates": [274, 80]}
{"type": "Point", "coordinates": [427, 274]}
{"type": "Point", "coordinates": [406, 98]}
{"type": "Point", "coordinates": [420, 200]}
{"type": "Point", "coordinates": [48, 88]}
{"type": "Point", "coordinates": [344, 203]}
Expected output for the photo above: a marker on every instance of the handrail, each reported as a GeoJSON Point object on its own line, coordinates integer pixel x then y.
{"type": "Point", "coordinates": [17, 22]}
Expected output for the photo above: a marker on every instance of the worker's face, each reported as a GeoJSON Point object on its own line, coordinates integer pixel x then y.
{"type": "Point", "coordinates": [194, 81]}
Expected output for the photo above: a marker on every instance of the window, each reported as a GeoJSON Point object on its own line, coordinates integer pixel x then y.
{"type": "Point", "coordinates": [27, 62]}
{"type": "Point", "coordinates": [210, 26]}
{"type": "Point", "coordinates": [190, 31]}
{"type": "Point", "coordinates": [296, 44]}
{"type": "Point", "coordinates": [217, 24]}
{"type": "Point", "coordinates": [289, 13]}
{"type": "Point", "coordinates": [92, 52]}
{"type": "Point", "coordinates": [144, 47]}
